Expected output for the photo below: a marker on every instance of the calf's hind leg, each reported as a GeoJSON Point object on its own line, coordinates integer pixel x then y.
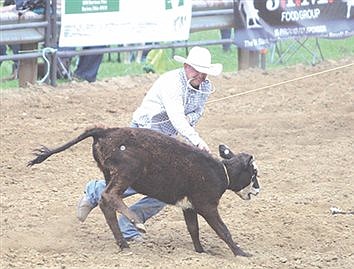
{"type": "Point", "coordinates": [112, 201]}
{"type": "Point", "coordinates": [111, 219]}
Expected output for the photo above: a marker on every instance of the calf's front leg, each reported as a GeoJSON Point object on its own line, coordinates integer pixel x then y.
{"type": "Point", "coordinates": [191, 218]}
{"type": "Point", "coordinates": [211, 215]}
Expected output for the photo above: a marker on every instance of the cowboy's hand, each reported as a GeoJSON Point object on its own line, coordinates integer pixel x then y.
{"type": "Point", "coordinates": [203, 146]}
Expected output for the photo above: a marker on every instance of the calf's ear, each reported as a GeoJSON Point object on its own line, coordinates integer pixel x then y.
{"type": "Point", "coordinates": [225, 152]}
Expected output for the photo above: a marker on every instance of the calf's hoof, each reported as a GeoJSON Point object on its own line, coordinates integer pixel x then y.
{"type": "Point", "coordinates": [199, 249]}
{"type": "Point", "coordinates": [123, 245]}
{"type": "Point", "coordinates": [126, 252]}
{"type": "Point", "coordinates": [240, 252]}
{"type": "Point", "coordinates": [141, 227]}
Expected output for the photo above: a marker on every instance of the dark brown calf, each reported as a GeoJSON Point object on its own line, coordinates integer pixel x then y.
{"type": "Point", "coordinates": [166, 169]}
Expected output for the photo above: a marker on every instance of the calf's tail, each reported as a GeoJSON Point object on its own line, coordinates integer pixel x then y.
{"type": "Point", "coordinates": [43, 153]}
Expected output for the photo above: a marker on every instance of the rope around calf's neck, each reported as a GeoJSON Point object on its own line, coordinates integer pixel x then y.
{"type": "Point", "coordinates": [227, 174]}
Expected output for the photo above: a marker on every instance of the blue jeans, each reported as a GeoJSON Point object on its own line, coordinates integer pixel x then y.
{"type": "Point", "coordinates": [225, 34]}
{"type": "Point", "coordinates": [88, 65]}
{"type": "Point", "coordinates": [145, 208]}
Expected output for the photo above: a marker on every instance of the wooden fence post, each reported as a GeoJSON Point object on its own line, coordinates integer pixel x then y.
{"type": "Point", "coordinates": [27, 70]}
{"type": "Point", "coordinates": [247, 59]}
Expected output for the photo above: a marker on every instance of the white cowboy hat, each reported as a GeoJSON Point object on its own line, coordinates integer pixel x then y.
{"type": "Point", "coordinates": [200, 59]}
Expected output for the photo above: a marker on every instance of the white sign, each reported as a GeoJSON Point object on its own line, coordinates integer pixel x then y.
{"type": "Point", "coordinates": [113, 22]}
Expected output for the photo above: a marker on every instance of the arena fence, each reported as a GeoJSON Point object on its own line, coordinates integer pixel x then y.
{"type": "Point", "coordinates": [32, 32]}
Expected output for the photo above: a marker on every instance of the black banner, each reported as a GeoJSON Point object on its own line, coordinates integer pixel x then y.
{"type": "Point", "coordinates": [261, 23]}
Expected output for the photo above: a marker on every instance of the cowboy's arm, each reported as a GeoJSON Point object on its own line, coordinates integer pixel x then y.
{"type": "Point", "coordinates": [193, 117]}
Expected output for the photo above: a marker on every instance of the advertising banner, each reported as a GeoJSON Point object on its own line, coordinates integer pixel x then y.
{"type": "Point", "coordinates": [109, 22]}
{"type": "Point", "coordinates": [260, 23]}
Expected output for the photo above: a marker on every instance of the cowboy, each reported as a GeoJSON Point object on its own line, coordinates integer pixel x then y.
{"type": "Point", "coordinates": [172, 106]}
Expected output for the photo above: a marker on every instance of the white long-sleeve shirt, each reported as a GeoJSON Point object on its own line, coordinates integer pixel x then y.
{"type": "Point", "coordinates": [173, 106]}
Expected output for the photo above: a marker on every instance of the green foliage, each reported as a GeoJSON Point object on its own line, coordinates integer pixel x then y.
{"type": "Point", "coordinates": [110, 67]}
{"type": "Point", "coordinates": [156, 61]}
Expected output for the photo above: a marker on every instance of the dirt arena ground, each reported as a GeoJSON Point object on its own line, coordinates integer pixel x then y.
{"type": "Point", "coordinates": [301, 134]}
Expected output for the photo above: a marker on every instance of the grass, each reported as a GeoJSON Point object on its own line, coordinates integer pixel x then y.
{"type": "Point", "coordinates": [331, 49]}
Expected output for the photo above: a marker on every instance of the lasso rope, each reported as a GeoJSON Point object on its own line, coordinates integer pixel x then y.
{"type": "Point", "coordinates": [279, 83]}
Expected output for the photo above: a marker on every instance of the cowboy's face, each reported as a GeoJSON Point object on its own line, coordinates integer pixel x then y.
{"type": "Point", "coordinates": [195, 77]}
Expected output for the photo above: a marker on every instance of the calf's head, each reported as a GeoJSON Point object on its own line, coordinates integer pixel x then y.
{"type": "Point", "coordinates": [242, 172]}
